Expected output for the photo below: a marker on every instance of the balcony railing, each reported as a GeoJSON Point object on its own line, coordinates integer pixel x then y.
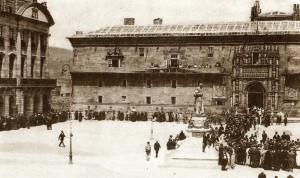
{"type": "Point", "coordinates": [8, 82]}
{"type": "Point", "coordinates": [38, 82]}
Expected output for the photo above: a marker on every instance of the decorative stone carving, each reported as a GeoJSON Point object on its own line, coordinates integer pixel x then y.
{"type": "Point", "coordinates": [219, 91]}
{"type": "Point", "coordinates": [291, 93]}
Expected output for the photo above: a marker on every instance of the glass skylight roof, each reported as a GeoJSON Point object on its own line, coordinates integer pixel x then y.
{"type": "Point", "coordinates": [230, 28]}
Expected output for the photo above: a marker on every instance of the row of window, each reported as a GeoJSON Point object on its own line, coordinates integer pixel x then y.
{"type": "Point", "coordinates": [148, 83]}
{"type": "Point", "coordinates": [148, 99]}
{"type": "Point", "coordinates": [210, 53]}
{"type": "Point", "coordinates": [24, 37]}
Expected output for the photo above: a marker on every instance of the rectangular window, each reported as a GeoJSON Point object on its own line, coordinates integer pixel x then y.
{"type": "Point", "coordinates": [173, 82]}
{"type": "Point", "coordinates": [123, 98]}
{"type": "Point", "coordinates": [100, 82]}
{"type": "Point", "coordinates": [114, 63]}
{"type": "Point", "coordinates": [99, 99]}
{"type": "Point", "coordinates": [68, 94]}
{"type": "Point", "coordinates": [210, 52]}
{"type": "Point", "coordinates": [124, 83]}
{"type": "Point", "coordinates": [142, 53]}
{"type": "Point", "coordinates": [12, 33]}
{"type": "Point", "coordinates": [149, 83]}
{"type": "Point", "coordinates": [174, 56]}
{"type": "Point", "coordinates": [148, 100]}
{"type": "Point", "coordinates": [173, 100]}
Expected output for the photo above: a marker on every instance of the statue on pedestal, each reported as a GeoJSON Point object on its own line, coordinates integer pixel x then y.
{"type": "Point", "coordinates": [198, 94]}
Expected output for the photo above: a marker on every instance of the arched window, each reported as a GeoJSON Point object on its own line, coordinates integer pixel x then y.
{"type": "Point", "coordinates": [12, 58]}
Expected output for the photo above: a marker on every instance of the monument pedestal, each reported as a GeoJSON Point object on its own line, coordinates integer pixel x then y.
{"type": "Point", "coordinates": [196, 128]}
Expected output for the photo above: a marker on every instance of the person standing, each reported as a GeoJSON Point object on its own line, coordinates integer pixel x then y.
{"type": "Point", "coordinates": [285, 120]}
{"type": "Point", "coordinates": [148, 151]}
{"type": "Point", "coordinates": [80, 116]}
{"type": "Point", "coordinates": [204, 142]}
{"type": "Point", "coordinates": [156, 148]}
{"type": "Point", "coordinates": [61, 138]}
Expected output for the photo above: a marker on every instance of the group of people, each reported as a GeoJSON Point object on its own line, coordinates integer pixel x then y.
{"type": "Point", "coordinates": [172, 144]}
{"type": "Point", "coordinates": [22, 121]}
{"type": "Point", "coordinates": [271, 153]}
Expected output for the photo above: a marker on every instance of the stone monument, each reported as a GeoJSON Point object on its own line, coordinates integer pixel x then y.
{"type": "Point", "coordinates": [197, 122]}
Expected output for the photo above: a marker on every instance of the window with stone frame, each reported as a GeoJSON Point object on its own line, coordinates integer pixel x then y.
{"type": "Point", "coordinates": [100, 99]}
{"type": "Point", "coordinates": [114, 62]}
{"type": "Point", "coordinates": [12, 37]}
{"type": "Point", "coordinates": [142, 52]}
{"type": "Point", "coordinates": [123, 98]}
{"type": "Point", "coordinates": [173, 100]}
{"type": "Point", "coordinates": [148, 100]}
{"type": "Point", "coordinates": [173, 83]}
{"type": "Point", "coordinates": [210, 51]}
{"type": "Point", "coordinates": [174, 60]}
{"type": "Point", "coordinates": [35, 13]}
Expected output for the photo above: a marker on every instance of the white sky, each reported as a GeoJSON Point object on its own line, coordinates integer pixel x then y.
{"type": "Point", "coordinates": [89, 15]}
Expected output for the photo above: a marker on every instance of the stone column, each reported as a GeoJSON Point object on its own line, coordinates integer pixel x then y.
{"type": "Point", "coordinates": [6, 105]}
{"type": "Point", "coordinates": [20, 101]}
{"type": "Point", "coordinates": [29, 56]}
{"type": "Point", "coordinates": [38, 57]}
{"type": "Point", "coordinates": [40, 104]}
{"type": "Point", "coordinates": [17, 62]}
{"type": "Point", "coordinates": [30, 105]}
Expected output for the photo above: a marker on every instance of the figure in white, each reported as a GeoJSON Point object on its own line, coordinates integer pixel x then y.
{"type": "Point", "coordinates": [198, 94]}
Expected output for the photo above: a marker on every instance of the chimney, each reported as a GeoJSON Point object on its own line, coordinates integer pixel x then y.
{"type": "Point", "coordinates": [157, 21]}
{"type": "Point", "coordinates": [79, 33]}
{"type": "Point", "coordinates": [44, 4]}
{"type": "Point", "coordinates": [128, 21]}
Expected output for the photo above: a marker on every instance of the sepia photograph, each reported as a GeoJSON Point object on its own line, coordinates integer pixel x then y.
{"type": "Point", "coordinates": [149, 89]}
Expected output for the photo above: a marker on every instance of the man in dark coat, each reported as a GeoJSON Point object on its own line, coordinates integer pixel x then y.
{"type": "Point", "coordinates": [80, 116]}
{"type": "Point", "coordinates": [61, 138]}
{"type": "Point", "coordinates": [156, 148]}
{"type": "Point", "coordinates": [205, 141]}
{"type": "Point", "coordinates": [76, 115]}
{"type": "Point", "coordinates": [221, 149]}
{"type": "Point", "coordinates": [262, 175]}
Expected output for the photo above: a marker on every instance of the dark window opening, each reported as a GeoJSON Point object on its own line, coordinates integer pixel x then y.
{"type": "Point", "coordinates": [114, 63]}
{"type": "Point", "coordinates": [148, 100]}
{"type": "Point", "coordinates": [142, 53]}
{"type": "Point", "coordinates": [32, 66]}
{"type": "Point", "coordinates": [11, 65]}
{"type": "Point", "coordinates": [173, 82]}
{"type": "Point", "coordinates": [123, 98]}
{"type": "Point", "coordinates": [255, 58]}
{"type": "Point", "coordinates": [99, 99]}
{"type": "Point", "coordinates": [22, 65]}
{"type": "Point", "coordinates": [173, 100]}
{"type": "Point", "coordinates": [41, 67]}
{"type": "Point", "coordinates": [210, 52]}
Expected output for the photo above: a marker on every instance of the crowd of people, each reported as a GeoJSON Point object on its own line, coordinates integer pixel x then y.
{"type": "Point", "coordinates": [22, 121]}
{"type": "Point", "coordinates": [257, 149]}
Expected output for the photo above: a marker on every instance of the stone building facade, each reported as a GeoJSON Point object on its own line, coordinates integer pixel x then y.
{"type": "Point", "coordinates": [24, 80]}
{"type": "Point", "coordinates": [158, 67]}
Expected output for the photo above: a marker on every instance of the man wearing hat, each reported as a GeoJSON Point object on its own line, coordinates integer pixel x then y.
{"type": "Point", "coordinates": [156, 148]}
{"type": "Point", "coordinates": [61, 138]}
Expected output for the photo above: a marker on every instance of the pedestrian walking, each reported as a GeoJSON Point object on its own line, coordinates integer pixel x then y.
{"type": "Point", "coordinates": [156, 148]}
{"type": "Point", "coordinates": [61, 138]}
{"type": "Point", "coordinates": [285, 120]}
{"type": "Point", "coordinates": [148, 151]}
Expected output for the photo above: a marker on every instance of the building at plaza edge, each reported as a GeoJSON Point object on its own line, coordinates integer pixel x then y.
{"type": "Point", "coordinates": [157, 67]}
{"type": "Point", "coordinates": [25, 85]}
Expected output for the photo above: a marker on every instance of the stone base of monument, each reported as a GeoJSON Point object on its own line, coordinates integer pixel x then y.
{"type": "Point", "coordinates": [190, 155]}
{"type": "Point", "coordinates": [197, 128]}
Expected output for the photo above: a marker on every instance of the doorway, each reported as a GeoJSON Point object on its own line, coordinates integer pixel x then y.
{"type": "Point", "coordinates": [256, 96]}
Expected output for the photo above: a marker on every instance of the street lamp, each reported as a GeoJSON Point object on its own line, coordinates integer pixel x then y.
{"type": "Point", "coordinates": [151, 138]}
{"type": "Point", "coordinates": [71, 135]}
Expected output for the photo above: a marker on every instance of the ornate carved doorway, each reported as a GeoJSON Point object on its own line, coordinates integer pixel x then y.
{"type": "Point", "coordinates": [256, 95]}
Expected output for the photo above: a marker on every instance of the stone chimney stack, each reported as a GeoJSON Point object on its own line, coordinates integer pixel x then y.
{"type": "Point", "coordinates": [128, 21]}
{"type": "Point", "coordinates": [157, 21]}
{"type": "Point", "coordinates": [79, 33]}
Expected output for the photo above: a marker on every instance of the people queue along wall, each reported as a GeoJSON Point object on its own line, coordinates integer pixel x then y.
{"type": "Point", "coordinates": [22, 121]}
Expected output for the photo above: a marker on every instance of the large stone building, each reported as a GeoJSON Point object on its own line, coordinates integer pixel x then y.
{"type": "Point", "coordinates": [24, 80]}
{"type": "Point", "coordinates": [154, 67]}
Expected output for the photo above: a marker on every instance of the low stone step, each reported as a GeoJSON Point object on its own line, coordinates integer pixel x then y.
{"type": "Point", "coordinates": [191, 163]}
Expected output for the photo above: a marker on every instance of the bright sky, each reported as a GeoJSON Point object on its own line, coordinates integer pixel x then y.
{"type": "Point", "coordinates": [90, 15]}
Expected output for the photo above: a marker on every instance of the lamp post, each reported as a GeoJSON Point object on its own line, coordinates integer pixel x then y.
{"type": "Point", "coordinates": [151, 138]}
{"type": "Point", "coordinates": [71, 135]}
